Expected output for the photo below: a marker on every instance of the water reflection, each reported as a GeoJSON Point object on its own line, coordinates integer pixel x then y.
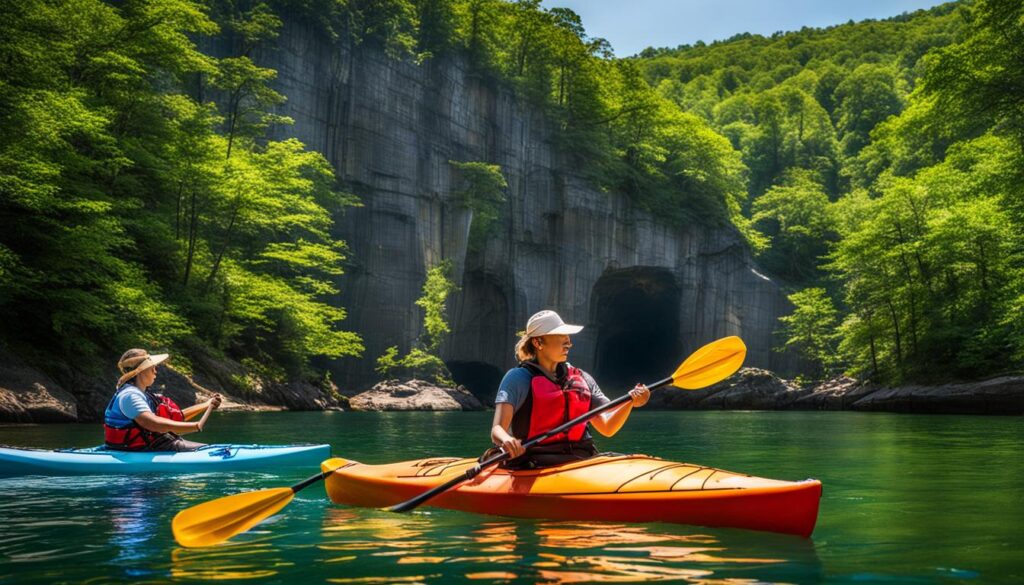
{"type": "Point", "coordinates": [370, 546]}
{"type": "Point", "coordinates": [251, 560]}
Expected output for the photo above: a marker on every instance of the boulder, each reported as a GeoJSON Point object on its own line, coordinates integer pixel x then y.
{"type": "Point", "coordinates": [28, 395]}
{"type": "Point", "coordinates": [299, 396]}
{"type": "Point", "coordinates": [414, 395]}
{"type": "Point", "coordinates": [835, 394]}
{"type": "Point", "coordinates": [753, 389]}
{"type": "Point", "coordinates": [748, 389]}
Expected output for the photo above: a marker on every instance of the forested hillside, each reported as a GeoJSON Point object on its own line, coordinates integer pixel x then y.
{"type": "Point", "coordinates": [136, 211]}
{"type": "Point", "coordinates": [885, 165]}
{"type": "Point", "coordinates": [873, 166]}
{"type": "Point", "coordinates": [144, 203]}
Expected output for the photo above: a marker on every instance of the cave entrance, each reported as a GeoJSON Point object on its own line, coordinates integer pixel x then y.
{"type": "Point", "coordinates": [480, 378]}
{"type": "Point", "coordinates": [636, 314]}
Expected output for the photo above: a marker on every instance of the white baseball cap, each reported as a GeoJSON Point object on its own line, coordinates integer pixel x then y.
{"type": "Point", "coordinates": [549, 323]}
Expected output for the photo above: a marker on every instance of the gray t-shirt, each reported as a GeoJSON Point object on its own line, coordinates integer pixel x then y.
{"type": "Point", "coordinates": [515, 387]}
{"type": "Point", "coordinates": [132, 402]}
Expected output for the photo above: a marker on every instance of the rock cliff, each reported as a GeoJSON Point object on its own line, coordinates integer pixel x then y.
{"type": "Point", "coordinates": [647, 292]}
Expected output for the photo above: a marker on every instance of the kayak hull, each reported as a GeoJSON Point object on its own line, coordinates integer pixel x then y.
{"type": "Point", "coordinates": [209, 459]}
{"type": "Point", "coordinates": [620, 488]}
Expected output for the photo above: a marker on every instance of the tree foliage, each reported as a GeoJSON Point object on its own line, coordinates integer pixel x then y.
{"type": "Point", "coordinates": [885, 162]}
{"type": "Point", "coordinates": [136, 212]}
{"type": "Point", "coordinates": [422, 360]}
{"type": "Point", "coordinates": [482, 190]}
{"type": "Point", "coordinates": [877, 163]}
{"type": "Point", "coordinates": [812, 329]}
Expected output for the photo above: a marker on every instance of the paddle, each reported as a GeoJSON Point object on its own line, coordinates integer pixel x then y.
{"type": "Point", "coordinates": [712, 363]}
{"type": "Point", "coordinates": [195, 413]}
{"type": "Point", "coordinates": [215, 521]}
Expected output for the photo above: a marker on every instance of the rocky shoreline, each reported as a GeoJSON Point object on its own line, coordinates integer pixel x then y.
{"type": "Point", "coordinates": [757, 389]}
{"type": "Point", "coordinates": [28, 395]}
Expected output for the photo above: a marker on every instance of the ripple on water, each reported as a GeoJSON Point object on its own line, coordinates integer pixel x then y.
{"type": "Point", "coordinates": [901, 504]}
{"type": "Point", "coordinates": [369, 546]}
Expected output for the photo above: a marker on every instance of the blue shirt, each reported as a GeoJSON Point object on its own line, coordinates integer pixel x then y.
{"type": "Point", "coordinates": [515, 387]}
{"type": "Point", "coordinates": [132, 402]}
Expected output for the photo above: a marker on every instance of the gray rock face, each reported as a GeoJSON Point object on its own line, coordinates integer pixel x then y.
{"type": "Point", "coordinates": [390, 127]}
{"type": "Point", "coordinates": [756, 389]}
{"type": "Point", "coordinates": [1004, 395]}
{"type": "Point", "coordinates": [748, 389]}
{"type": "Point", "coordinates": [414, 395]}
{"type": "Point", "coordinates": [837, 394]}
{"type": "Point", "coordinates": [27, 395]}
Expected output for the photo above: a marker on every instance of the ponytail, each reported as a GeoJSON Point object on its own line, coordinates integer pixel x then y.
{"type": "Point", "coordinates": [525, 351]}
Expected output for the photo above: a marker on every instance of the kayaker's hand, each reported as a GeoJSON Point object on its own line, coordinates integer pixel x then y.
{"type": "Point", "coordinates": [640, 395]}
{"type": "Point", "coordinates": [215, 401]}
{"type": "Point", "coordinates": [514, 447]}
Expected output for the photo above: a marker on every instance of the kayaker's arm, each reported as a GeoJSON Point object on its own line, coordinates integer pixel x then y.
{"type": "Point", "coordinates": [199, 407]}
{"type": "Point", "coordinates": [503, 412]}
{"type": "Point", "coordinates": [159, 424]}
{"type": "Point", "coordinates": [609, 423]}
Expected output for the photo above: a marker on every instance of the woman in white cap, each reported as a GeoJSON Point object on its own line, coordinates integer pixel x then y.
{"type": "Point", "coordinates": [544, 391]}
{"type": "Point", "coordinates": [138, 420]}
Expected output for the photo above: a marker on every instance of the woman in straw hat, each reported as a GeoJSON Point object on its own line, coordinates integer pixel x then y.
{"type": "Point", "coordinates": [138, 420]}
{"type": "Point", "coordinates": [544, 391]}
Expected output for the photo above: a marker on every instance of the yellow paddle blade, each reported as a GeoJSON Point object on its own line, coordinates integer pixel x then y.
{"type": "Point", "coordinates": [215, 521]}
{"type": "Point", "coordinates": [712, 363]}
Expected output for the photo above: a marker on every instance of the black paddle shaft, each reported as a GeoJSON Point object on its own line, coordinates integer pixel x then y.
{"type": "Point", "coordinates": [503, 455]}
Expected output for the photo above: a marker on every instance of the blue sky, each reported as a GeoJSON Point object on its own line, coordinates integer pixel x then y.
{"type": "Point", "coordinates": [632, 25]}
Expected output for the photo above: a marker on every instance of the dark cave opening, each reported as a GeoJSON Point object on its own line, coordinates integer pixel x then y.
{"type": "Point", "coordinates": [480, 378]}
{"type": "Point", "coordinates": [636, 311]}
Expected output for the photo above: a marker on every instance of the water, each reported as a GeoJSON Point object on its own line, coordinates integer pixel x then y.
{"type": "Point", "coordinates": [907, 499]}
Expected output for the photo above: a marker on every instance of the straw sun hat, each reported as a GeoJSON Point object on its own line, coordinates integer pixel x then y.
{"type": "Point", "coordinates": [136, 360]}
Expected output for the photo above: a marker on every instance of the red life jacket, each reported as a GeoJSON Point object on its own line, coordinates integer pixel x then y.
{"type": "Point", "coordinates": [549, 404]}
{"type": "Point", "coordinates": [122, 433]}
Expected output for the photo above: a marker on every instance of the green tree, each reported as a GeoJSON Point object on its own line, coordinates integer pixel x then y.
{"type": "Point", "coordinates": [811, 329]}
{"type": "Point", "coordinates": [796, 218]}
{"type": "Point", "coordinates": [977, 80]}
{"type": "Point", "coordinates": [248, 95]}
{"type": "Point", "coordinates": [479, 25]}
{"type": "Point", "coordinates": [73, 110]}
{"type": "Point", "coordinates": [482, 190]}
{"type": "Point", "coordinates": [869, 95]}
{"type": "Point", "coordinates": [130, 222]}
{"type": "Point", "coordinates": [422, 360]}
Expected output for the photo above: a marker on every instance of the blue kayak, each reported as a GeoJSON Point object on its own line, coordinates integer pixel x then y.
{"type": "Point", "coordinates": [211, 458]}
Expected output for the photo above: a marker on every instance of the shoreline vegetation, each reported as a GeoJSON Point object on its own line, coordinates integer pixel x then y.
{"type": "Point", "coordinates": [873, 167]}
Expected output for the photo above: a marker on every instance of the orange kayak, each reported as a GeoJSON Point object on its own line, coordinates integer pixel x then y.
{"type": "Point", "coordinates": [615, 488]}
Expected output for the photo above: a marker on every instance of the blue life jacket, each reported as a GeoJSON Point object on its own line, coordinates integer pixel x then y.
{"type": "Point", "coordinates": [121, 432]}
{"type": "Point", "coordinates": [114, 417]}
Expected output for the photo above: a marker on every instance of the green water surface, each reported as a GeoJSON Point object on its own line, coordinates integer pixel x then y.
{"type": "Point", "coordinates": [907, 499]}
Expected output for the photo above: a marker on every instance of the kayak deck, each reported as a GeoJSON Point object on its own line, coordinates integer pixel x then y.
{"type": "Point", "coordinates": [211, 458]}
{"type": "Point", "coordinates": [618, 488]}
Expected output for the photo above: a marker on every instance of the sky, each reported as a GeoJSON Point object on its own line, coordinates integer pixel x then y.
{"type": "Point", "coordinates": [632, 25]}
